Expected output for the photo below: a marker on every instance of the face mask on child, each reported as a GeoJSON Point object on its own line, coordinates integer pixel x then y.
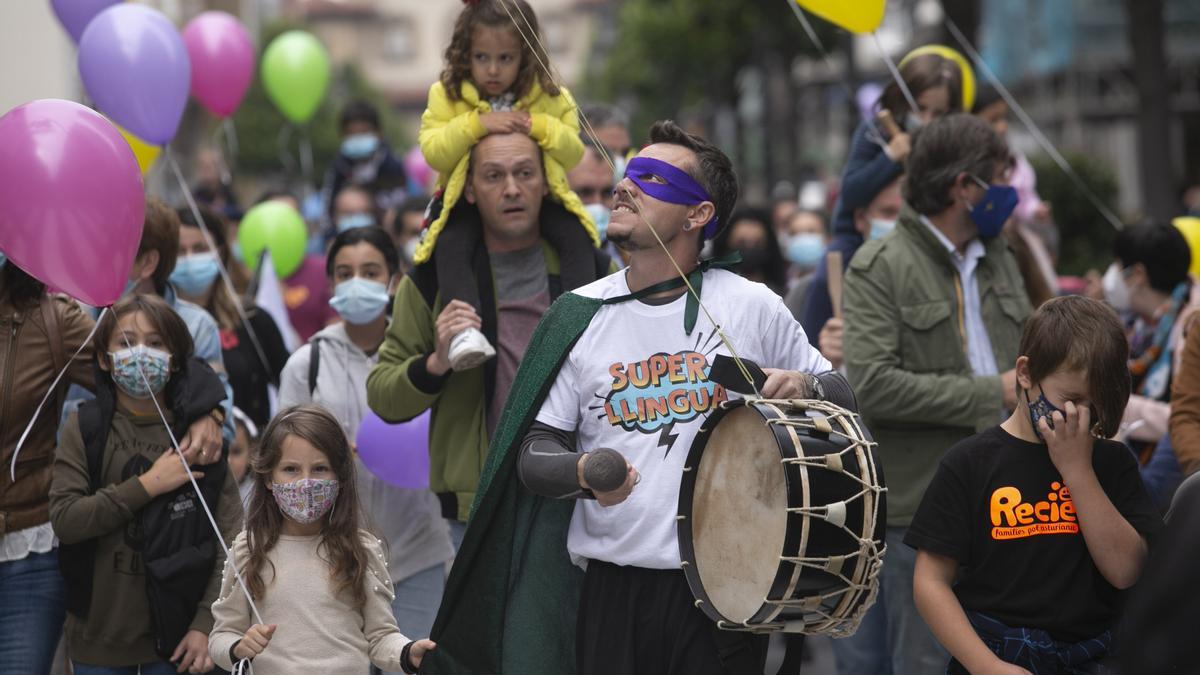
{"type": "Point", "coordinates": [359, 300]}
{"type": "Point", "coordinates": [193, 274]}
{"type": "Point", "coordinates": [1041, 409]}
{"type": "Point", "coordinates": [307, 499]}
{"type": "Point", "coordinates": [360, 146]}
{"type": "Point", "coordinates": [129, 364]}
{"type": "Point", "coordinates": [1116, 290]}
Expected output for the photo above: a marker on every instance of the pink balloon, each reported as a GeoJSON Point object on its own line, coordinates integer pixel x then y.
{"type": "Point", "coordinates": [418, 169]}
{"type": "Point", "coordinates": [71, 199]}
{"type": "Point", "coordinates": [222, 61]}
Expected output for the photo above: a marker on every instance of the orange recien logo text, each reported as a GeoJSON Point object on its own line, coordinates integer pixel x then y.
{"type": "Point", "coordinates": [1014, 518]}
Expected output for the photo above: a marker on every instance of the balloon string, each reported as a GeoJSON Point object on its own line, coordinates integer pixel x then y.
{"type": "Point", "coordinates": [529, 40]}
{"type": "Point", "coordinates": [12, 467]}
{"type": "Point", "coordinates": [306, 157]}
{"type": "Point", "coordinates": [908, 96]}
{"type": "Point", "coordinates": [281, 144]}
{"type": "Point", "coordinates": [1034, 130]}
{"type": "Point", "coordinates": [231, 139]}
{"type": "Point", "coordinates": [872, 131]}
{"type": "Point", "coordinates": [195, 486]}
{"type": "Point", "coordinates": [225, 278]}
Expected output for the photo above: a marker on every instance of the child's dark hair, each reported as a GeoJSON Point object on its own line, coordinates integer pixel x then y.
{"type": "Point", "coordinates": [375, 236]}
{"type": "Point", "coordinates": [1160, 248]}
{"type": "Point", "coordinates": [1076, 333]}
{"type": "Point", "coordinates": [170, 327]}
{"type": "Point", "coordinates": [922, 73]}
{"type": "Point", "coordinates": [358, 111]}
{"type": "Point", "coordinates": [515, 15]}
{"type": "Point", "coordinates": [340, 538]}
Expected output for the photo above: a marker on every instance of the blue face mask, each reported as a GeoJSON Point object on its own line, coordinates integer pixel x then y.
{"type": "Point", "coordinates": [359, 146]}
{"type": "Point", "coordinates": [994, 209]}
{"type": "Point", "coordinates": [1041, 409]}
{"type": "Point", "coordinates": [353, 220]}
{"type": "Point", "coordinates": [805, 250]}
{"type": "Point", "coordinates": [880, 228]}
{"type": "Point", "coordinates": [193, 274]}
{"type": "Point", "coordinates": [359, 300]}
{"type": "Point", "coordinates": [235, 249]}
{"type": "Point", "coordinates": [600, 215]}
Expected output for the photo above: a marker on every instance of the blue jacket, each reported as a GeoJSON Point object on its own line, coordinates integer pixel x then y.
{"type": "Point", "coordinates": [868, 170]}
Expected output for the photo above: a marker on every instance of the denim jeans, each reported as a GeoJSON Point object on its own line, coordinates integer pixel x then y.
{"type": "Point", "coordinates": [866, 652]}
{"type": "Point", "coordinates": [417, 601]}
{"type": "Point", "coordinates": [1162, 474]}
{"type": "Point", "coordinates": [155, 668]}
{"type": "Point", "coordinates": [914, 649]}
{"type": "Point", "coordinates": [32, 610]}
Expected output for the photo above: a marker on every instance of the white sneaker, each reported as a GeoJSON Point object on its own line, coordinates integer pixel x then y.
{"type": "Point", "coordinates": [469, 349]}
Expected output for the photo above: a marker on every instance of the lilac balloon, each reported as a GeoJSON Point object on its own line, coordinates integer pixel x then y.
{"type": "Point", "coordinates": [397, 454]}
{"type": "Point", "coordinates": [75, 15]}
{"type": "Point", "coordinates": [135, 68]}
{"type": "Point", "coordinates": [71, 199]}
{"type": "Point", "coordinates": [222, 61]}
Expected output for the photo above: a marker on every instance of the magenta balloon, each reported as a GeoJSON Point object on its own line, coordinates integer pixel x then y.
{"type": "Point", "coordinates": [75, 15]}
{"type": "Point", "coordinates": [222, 61]}
{"type": "Point", "coordinates": [71, 199]}
{"type": "Point", "coordinates": [135, 68]}
{"type": "Point", "coordinates": [397, 454]}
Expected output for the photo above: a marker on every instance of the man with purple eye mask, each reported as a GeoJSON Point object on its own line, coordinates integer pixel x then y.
{"type": "Point", "coordinates": [578, 382]}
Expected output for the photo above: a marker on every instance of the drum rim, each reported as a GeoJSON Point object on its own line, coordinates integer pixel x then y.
{"type": "Point", "coordinates": [786, 570]}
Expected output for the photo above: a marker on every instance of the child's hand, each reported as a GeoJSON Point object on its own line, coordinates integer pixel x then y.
{"type": "Point", "coordinates": [192, 653]}
{"type": "Point", "coordinates": [254, 641]}
{"type": "Point", "coordinates": [506, 122]}
{"type": "Point", "coordinates": [419, 649]}
{"type": "Point", "coordinates": [1070, 441]}
{"type": "Point", "coordinates": [167, 473]}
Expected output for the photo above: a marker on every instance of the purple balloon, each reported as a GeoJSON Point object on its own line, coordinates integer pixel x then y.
{"type": "Point", "coordinates": [71, 199]}
{"type": "Point", "coordinates": [75, 15]}
{"type": "Point", "coordinates": [135, 68]}
{"type": "Point", "coordinates": [398, 454]}
{"type": "Point", "coordinates": [222, 61]}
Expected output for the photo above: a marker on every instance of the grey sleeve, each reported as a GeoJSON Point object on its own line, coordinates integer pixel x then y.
{"type": "Point", "coordinates": [838, 390]}
{"type": "Point", "coordinates": [548, 463]}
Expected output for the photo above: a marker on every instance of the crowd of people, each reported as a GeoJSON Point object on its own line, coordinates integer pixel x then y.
{"type": "Point", "coordinates": [1032, 441]}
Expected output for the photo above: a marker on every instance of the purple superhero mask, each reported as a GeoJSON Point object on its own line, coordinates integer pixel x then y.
{"type": "Point", "coordinates": [679, 187]}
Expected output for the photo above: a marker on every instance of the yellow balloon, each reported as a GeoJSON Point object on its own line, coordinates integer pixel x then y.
{"type": "Point", "coordinates": [968, 74]}
{"type": "Point", "coordinates": [1190, 227]}
{"type": "Point", "coordinates": [145, 153]}
{"type": "Point", "coordinates": [856, 16]}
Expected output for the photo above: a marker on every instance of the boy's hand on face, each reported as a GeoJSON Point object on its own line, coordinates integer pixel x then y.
{"type": "Point", "coordinates": [1070, 441]}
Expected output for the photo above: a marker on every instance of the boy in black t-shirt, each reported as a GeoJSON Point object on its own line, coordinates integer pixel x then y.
{"type": "Point", "coordinates": [1029, 529]}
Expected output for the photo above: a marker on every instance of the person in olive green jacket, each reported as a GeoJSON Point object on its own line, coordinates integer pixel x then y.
{"type": "Point", "coordinates": [933, 312]}
{"type": "Point", "coordinates": [518, 277]}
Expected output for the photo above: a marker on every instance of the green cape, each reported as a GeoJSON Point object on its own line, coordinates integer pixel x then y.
{"type": "Point", "coordinates": [511, 598]}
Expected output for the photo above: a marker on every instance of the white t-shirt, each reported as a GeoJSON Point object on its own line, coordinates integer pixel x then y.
{"type": "Point", "coordinates": [635, 382]}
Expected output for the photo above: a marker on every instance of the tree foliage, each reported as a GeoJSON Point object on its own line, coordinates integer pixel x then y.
{"type": "Point", "coordinates": [1086, 237]}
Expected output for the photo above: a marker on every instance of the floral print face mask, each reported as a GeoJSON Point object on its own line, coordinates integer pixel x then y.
{"type": "Point", "coordinates": [307, 499]}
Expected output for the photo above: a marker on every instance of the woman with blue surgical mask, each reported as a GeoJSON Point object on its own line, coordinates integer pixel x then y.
{"type": "Point", "coordinates": [803, 242]}
{"type": "Point", "coordinates": [362, 268]}
{"type": "Point", "coordinates": [252, 368]}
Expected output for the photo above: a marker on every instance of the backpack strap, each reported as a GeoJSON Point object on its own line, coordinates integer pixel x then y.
{"type": "Point", "coordinates": [94, 430]}
{"type": "Point", "coordinates": [58, 352]}
{"type": "Point", "coordinates": [314, 363]}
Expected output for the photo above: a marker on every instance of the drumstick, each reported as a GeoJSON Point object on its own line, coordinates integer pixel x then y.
{"type": "Point", "coordinates": [833, 270]}
{"type": "Point", "coordinates": [605, 470]}
{"type": "Point", "coordinates": [888, 123]}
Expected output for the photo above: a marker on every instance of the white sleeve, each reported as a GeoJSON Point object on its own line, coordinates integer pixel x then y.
{"type": "Point", "coordinates": [785, 345]}
{"type": "Point", "coordinates": [561, 407]}
{"type": "Point", "coordinates": [293, 381]}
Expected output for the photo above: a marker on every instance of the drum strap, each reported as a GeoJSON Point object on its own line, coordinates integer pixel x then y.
{"type": "Point", "coordinates": [696, 278]}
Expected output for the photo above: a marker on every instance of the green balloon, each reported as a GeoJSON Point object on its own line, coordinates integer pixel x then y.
{"type": "Point", "coordinates": [277, 227]}
{"type": "Point", "coordinates": [295, 72]}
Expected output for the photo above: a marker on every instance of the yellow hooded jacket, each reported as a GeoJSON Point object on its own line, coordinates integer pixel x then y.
{"type": "Point", "coordinates": [449, 129]}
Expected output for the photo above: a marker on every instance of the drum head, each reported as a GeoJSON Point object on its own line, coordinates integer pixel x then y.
{"type": "Point", "coordinates": [739, 514]}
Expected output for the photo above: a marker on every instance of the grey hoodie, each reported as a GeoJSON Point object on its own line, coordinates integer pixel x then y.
{"type": "Point", "coordinates": [410, 521]}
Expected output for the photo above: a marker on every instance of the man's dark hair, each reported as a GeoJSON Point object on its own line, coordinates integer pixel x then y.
{"type": "Point", "coordinates": [358, 111]}
{"type": "Point", "coordinates": [712, 169]}
{"type": "Point", "coordinates": [943, 150]}
{"type": "Point", "coordinates": [1161, 249]}
{"type": "Point", "coordinates": [1076, 333]}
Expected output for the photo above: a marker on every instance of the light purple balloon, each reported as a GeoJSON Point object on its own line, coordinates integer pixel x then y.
{"type": "Point", "coordinates": [75, 15]}
{"type": "Point", "coordinates": [71, 199]}
{"type": "Point", "coordinates": [222, 59]}
{"type": "Point", "coordinates": [397, 454]}
{"type": "Point", "coordinates": [135, 68]}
